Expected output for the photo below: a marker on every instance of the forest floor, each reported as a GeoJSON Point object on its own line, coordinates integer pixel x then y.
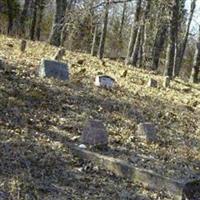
{"type": "Point", "coordinates": [39, 116]}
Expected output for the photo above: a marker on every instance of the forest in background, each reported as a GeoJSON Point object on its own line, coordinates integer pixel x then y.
{"type": "Point", "coordinates": [151, 34]}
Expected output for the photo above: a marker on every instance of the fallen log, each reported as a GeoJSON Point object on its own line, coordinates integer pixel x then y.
{"type": "Point", "coordinates": [123, 169]}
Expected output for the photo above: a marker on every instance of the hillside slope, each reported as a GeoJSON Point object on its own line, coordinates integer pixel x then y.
{"type": "Point", "coordinates": [38, 116]}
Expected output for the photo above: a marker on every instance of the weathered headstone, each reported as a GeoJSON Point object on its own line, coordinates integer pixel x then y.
{"type": "Point", "coordinates": [59, 54]}
{"type": "Point", "coordinates": [152, 83]}
{"type": "Point", "coordinates": [95, 134]}
{"type": "Point", "coordinates": [23, 45]}
{"type": "Point", "coordinates": [147, 131]}
{"type": "Point", "coordinates": [105, 81]}
{"type": "Point", "coordinates": [54, 69]}
{"type": "Point", "coordinates": [166, 82]}
{"type": "Point", "coordinates": [191, 190]}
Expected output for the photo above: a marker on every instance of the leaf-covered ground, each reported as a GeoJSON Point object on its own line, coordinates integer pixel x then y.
{"type": "Point", "coordinates": [38, 116]}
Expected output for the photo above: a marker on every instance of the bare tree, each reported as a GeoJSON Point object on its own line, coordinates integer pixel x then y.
{"type": "Point", "coordinates": [58, 23]}
{"type": "Point", "coordinates": [134, 31]}
{"type": "Point", "coordinates": [185, 40]}
{"type": "Point", "coordinates": [196, 64]}
{"type": "Point", "coordinates": [173, 34]}
{"type": "Point", "coordinates": [104, 31]}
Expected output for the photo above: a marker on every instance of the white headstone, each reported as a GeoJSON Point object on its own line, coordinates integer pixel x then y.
{"type": "Point", "coordinates": [104, 81]}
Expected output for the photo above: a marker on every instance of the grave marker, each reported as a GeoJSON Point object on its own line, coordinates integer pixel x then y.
{"type": "Point", "coordinates": [53, 69]}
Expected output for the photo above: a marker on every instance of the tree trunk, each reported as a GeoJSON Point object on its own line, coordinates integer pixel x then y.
{"type": "Point", "coordinates": [135, 54]}
{"type": "Point", "coordinates": [93, 52]}
{"type": "Point", "coordinates": [23, 17]}
{"type": "Point", "coordinates": [59, 18]}
{"type": "Point", "coordinates": [40, 18]}
{"type": "Point", "coordinates": [34, 20]}
{"type": "Point", "coordinates": [143, 46]}
{"type": "Point", "coordinates": [196, 64]}
{"type": "Point", "coordinates": [104, 31]}
{"type": "Point", "coordinates": [134, 30]}
{"type": "Point", "coordinates": [173, 34]}
{"type": "Point", "coordinates": [184, 43]}
{"type": "Point", "coordinates": [158, 46]}
{"type": "Point", "coordinates": [10, 16]}
{"type": "Point", "coordinates": [122, 21]}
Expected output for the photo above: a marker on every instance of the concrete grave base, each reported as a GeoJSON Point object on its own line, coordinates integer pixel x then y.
{"type": "Point", "coordinates": [179, 189]}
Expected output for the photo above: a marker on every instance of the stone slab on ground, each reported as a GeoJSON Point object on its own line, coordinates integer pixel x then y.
{"type": "Point", "coordinates": [181, 190]}
{"type": "Point", "coordinates": [53, 69]}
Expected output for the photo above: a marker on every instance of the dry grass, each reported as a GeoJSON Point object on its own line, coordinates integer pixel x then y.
{"type": "Point", "coordinates": [38, 116]}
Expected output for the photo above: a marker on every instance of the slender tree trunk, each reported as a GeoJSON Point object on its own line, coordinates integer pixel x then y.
{"type": "Point", "coordinates": [134, 30]}
{"type": "Point", "coordinates": [23, 16]}
{"type": "Point", "coordinates": [158, 46]}
{"type": "Point", "coordinates": [173, 34]}
{"type": "Point", "coordinates": [143, 46]}
{"type": "Point", "coordinates": [10, 16]}
{"type": "Point", "coordinates": [135, 54]}
{"type": "Point", "coordinates": [34, 20]}
{"type": "Point", "coordinates": [184, 43]}
{"type": "Point", "coordinates": [196, 64]}
{"type": "Point", "coordinates": [40, 18]}
{"type": "Point", "coordinates": [93, 52]}
{"type": "Point", "coordinates": [104, 31]}
{"type": "Point", "coordinates": [59, 18]}
{"type": "Point", "coordinates": [122, 21]}
{"type": "Point", "coordinates": [65, 29]}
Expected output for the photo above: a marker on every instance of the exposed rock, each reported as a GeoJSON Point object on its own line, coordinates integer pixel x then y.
{"type": "Point", "coordinates": [59, 54]}
{"type": "Point", "coordinates": [95, 134]}
{"type": "Point", "coordinates": [152, 83]}
{"type": "Point", "coordinates": [81, 61]}
{"type": "Point", "coordinates": [105, 81]}
{"type": "Point", "coordinates": [124, 74]}
{"type": "Point", "coordinates": [147, 131]}
{"type": "Point", "coordinates": [166, 82]}
{"type": "Point", "coordinates": [23, 45]}
{"type": "Point", "coordinates": [186, 89]}
{"type": "Point", "coordinates": [55, 69]}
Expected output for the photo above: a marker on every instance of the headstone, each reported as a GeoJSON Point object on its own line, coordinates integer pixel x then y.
{"type": "Point", "coordinates": [147, 131]}
{"type": "Point", "coordinates": [95, 134]}
{"type": "Point", "coordinates": [166, 82]}
{"type": "Point", "coordinates": [54, 69]}
{"type": "Point", "coordinates": [152, 83]}
{"type": "Point", "coordinates": [104, 81]}
{"type": "Point", "coordinates": [191, 190]}
{"type": "Point", "coordinates": [23, 45]}
{"type": "Point", "coordinates": [59, 54]}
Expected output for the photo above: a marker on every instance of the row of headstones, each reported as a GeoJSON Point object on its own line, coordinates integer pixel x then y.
{"type": "Point", "coordinates": [95, 134]}
{"type": "Point", "coordinates": [54, 68]}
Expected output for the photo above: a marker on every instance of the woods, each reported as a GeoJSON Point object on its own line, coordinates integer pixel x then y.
{"type": "Point", "coordinates": [99, 99]}
{"type": "Point", "coordinates": [148, 34]}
